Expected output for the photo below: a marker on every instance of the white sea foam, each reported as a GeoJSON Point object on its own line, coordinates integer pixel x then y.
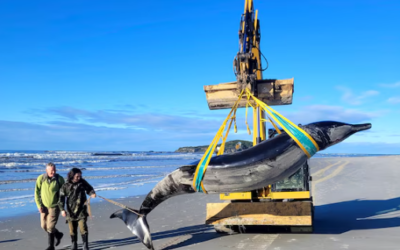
{"type": "Point", "coordinates": [110, 188]}
{"type": "Point", "coordinates": [92, 169]}
{"type": "Point", "coordinates": [42, 164]}
{"type": "Point", "coordinates": [86, 177]}
{"type": "Point", "coordinates": [112, 172]}
{"type": "Point", "coordinates": [16, 198]}
{"type": "Point", "coordinates": [133, 167]}
{"type": "Point", "coordinates": [16, 189]}
{"type": "Point", "coordinates": [17, 160]}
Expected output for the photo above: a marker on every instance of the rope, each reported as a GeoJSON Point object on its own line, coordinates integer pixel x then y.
{"type": "Point", "coordinates": [112, 202]}
{"type": "Point", "coordinates": [88, 208]}
{"type": "Point", "coordinates": [222, 148]}
{"type": "Point", "coordinates": [247, 107]}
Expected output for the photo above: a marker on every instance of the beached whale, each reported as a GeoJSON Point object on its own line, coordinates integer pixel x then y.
{"type": "Point", "coordinates": [251, 169]}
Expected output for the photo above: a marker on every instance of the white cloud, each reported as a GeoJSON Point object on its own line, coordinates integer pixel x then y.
{"type": "Point", "coordinates": [74, 136]}
{"type": "Point", "coordinates": [393, 100]}
{"type": "Point", "coordinates": [316, 113]}
{"type": "Point", "coordinates": [393, 85]}
{"type": "Point", "coordinates": [71, 136]}
{"type": "Point", "coordinates": [71, 128]}
{"type": "Point", "coordinates": [350, 98]}
{"type": "Point", "coordinates": [185, 123]}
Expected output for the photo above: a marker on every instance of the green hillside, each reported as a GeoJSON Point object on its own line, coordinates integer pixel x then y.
{"type": "Point", "coordinates": [229, 147]}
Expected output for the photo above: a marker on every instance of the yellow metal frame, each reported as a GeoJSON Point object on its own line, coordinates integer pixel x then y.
{"type": "Point", "coordinates": [260, 213]}
{"type": "Point", "coordinates": [236, 196]}
{"type": "Point", "coordinates": [266, 195]}
{"type": "Point", "coordinates": [290, 195]}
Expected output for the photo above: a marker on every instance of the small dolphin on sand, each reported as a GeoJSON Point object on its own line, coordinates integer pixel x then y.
{"type": "Point", "coordinates": [251, 169]}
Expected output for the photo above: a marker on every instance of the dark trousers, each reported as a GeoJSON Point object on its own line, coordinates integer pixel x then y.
{"type": "Point", "coordinates": [73, 227]}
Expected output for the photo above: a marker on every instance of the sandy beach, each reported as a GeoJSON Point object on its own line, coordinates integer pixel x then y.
{"type": "Point", "coordinates": [356, 207]}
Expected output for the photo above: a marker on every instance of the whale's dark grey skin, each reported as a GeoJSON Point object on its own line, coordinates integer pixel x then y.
{"type": "Point", "coordinates": [251, 169]}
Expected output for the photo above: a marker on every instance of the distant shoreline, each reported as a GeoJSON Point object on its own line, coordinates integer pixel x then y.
{"type": "Point", "coordinates": [230, 147]}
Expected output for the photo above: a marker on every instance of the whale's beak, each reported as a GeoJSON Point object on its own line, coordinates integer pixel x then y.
{"type": "Point", "coordinates": [361, 127]}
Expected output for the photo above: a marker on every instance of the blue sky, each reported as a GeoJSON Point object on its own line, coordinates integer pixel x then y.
{"type": "Point", "coordinates": [129, 75]}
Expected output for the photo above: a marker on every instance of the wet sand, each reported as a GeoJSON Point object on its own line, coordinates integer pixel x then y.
{"type": "Point", "coordinates": [357, 204]}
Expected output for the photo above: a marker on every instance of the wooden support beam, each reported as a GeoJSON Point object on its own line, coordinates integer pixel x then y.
{"type": "Point", "coordinates": [260, 213]}
{"type": "Point", "coordinates": [271, 91]}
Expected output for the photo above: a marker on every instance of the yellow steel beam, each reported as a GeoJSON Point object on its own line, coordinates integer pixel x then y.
{"type": "Point", "coordinates": [289, 195]}
{"type": "Point", "coordinates": [255, 126]}
{"type": "Point", "coordinates": [262, 125]}
{"type": "Point", "coordinates": [268, 195]}
{"type": "Point", "coordinates": [250, 5]}
{"type": "Point", "coordinates": [236, 196]}
{"type": "Point", "coordinates": [255, 26]}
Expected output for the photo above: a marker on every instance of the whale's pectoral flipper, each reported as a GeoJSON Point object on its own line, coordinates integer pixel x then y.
{"type": "Point", "coordinates": [136, 224]}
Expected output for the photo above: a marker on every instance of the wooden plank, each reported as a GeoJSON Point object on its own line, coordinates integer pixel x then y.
{"type": "Point", "coordinates": [260, 213]}
{"type": "Point", "coordinates": [264, 220]}
{"type": "Point", "coordinates": [271, 91]}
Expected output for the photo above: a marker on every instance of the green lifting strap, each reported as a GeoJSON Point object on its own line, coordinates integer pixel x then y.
{"type": "Point", "coordinates": [301, 137]}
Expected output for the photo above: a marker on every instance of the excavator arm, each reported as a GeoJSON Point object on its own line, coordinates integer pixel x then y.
{"type": "Point", "coordinates": [248, 70]}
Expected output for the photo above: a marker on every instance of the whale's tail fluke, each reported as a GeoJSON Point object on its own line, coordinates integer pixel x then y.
{"type": "Point", "coordinates": [137, 224]}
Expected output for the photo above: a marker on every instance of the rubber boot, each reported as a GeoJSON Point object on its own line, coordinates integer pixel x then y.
{"type": "Point", "coordinates": [58, 235]}
{"type": "Point", "coordinates": [85, 241]}
{"type": "Point", "coordinates": [50, 241]}
{"type": "Point", "coordinates": [74, 240]}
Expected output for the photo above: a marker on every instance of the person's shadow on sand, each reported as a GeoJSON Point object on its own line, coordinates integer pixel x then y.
{"type": "Point", "coordinates": [6, 241]}
{"type": "Point", "coordinates": [337, 218]}
{"type": "Point", "coordinates": [178, 238]}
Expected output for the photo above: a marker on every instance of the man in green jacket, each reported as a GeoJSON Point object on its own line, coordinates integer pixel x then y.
{"type": "Point", "coordinates": [47, 192]}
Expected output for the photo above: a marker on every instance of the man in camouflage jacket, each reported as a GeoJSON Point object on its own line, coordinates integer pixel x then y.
{"type": "Point", "coordinates": [73, 195]}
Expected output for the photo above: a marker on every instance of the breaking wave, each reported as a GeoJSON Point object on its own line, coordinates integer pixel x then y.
{"type": "Point", "coordinates": [86, 177]}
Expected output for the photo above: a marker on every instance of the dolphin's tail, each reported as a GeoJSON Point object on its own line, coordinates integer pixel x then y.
{"type": "Point", "coordinates": [137, 224]}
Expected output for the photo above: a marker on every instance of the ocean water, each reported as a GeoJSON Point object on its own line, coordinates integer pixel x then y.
{"type": "Point", "coordinates": [113, 176]}
{"type": "Point", "coordinates": [123, 174]}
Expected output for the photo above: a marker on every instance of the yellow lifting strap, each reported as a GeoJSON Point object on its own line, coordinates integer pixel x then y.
{"type": "Point", "coordinates": [276, 127]}
{"type": "Point", "coordinates": [302, 138]}
{"type": "Point", "coordinates": [203, 163]}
